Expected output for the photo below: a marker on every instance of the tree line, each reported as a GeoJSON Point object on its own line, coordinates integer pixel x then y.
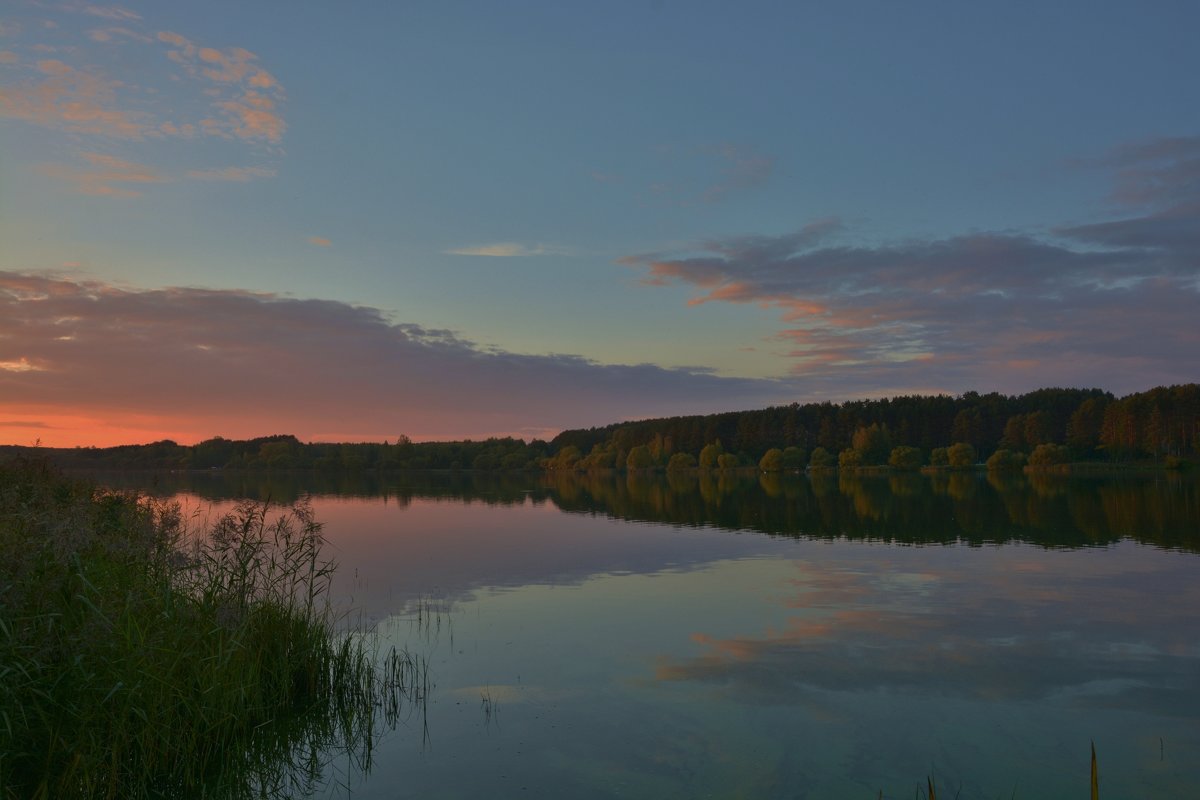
{"type": "Point", "coordinates": [1046, 426]}
{"type": "Point", "coordinates": [1052, 425]}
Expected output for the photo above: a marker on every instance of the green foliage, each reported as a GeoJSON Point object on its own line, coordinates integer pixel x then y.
{"type": "Point", "coordinates": [1002, 460]}
{"type": "Point", "coordinates": [961, 455]}
{"type": "Point", "coordinates": [681, 461]}
{"type": "Point", "coordinates": [850, 459]}
{"type": "Point", "coordinates": [793, 459]}
{"type": "Point", "coordinates": [710, 454]}
{"type": "Point", "coordinates": [938, 457]}
{"type": "Point", "coordinates": [564, 459]}
{"type": "Point", "coordinates": [873, 443]}
{"type": "Point", "coordinates": [661, 448]}
{"type": "Point", "coordinates": [601, 457]}
{"type": "Point", "coordinates": [154, 661]}
{"type": "Point", "coordinates": [772, 460]}
{"type": "Point", "coordinates": [1156, 424]}
{"type": "Point", "coordinates": [905, 458]}
{"type": "Point", "coordinates": [1014, 433]}
{"type": "Point", "coordinates": [639, 458]}
{"type": "Point", "coordinates": [821, 458]}
{"type": "Point", "coordinates": [1048, 455]}
{"type": "Point", "coordinates": [1083, 428]}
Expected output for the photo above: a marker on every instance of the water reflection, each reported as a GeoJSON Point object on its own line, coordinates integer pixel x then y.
{"type": "Point", "coordinates": [976, 508]}
{"type": "Point", "coordinates": [631, 640]}
{"type": "Point", "coordinates": [1012, 625]}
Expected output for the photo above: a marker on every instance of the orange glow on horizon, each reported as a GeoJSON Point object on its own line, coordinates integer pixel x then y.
{"type": "Point", "coordinates": [27, 427]}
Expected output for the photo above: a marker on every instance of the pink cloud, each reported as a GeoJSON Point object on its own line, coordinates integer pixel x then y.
{"type": "Point", "coordinates": [1108, 304]}
{"type": "Point", "coordinates": [105, 176]}
{"type": "Point", "coordinates": [234, 174]}
{"type": "Point", "coordinates": [243, 100]}
{"type": "Point", "coordinates": [72, 100]}
{"type": "Point", "coordinates": [247, 96]}
{"type": "Point", "coordinates": [195, 362]}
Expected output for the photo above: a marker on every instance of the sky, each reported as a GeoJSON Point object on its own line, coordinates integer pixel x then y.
{"type": "Point", "coordinates": [458, 220]}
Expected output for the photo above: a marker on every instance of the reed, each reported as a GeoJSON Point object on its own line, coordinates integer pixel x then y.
{"type": "Point", "coordinates": [142, 656]}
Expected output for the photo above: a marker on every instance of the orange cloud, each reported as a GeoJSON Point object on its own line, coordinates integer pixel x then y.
{"type": "Point", "coordinates": [319, 241]}
{"type": "Point", "coordinates": [103, 177]}
{"type": "Point", "coordinates": [235, 174]}
{"type": "Point", "coordinates": [247, 95]}
{"type": "Point", "coordinates": [253, 116]}
{"type": "Point", "coordinates": [506, 250]}
{"type": "Point", "coordinates": [20, 365]}
{"type": "Point", "coordinates": [72, 100]}
{"type": "Point", "coordinates": [246, 98]}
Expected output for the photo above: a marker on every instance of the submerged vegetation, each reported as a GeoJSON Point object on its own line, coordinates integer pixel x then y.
{"type": "Point", "coordinates": [142, 657]}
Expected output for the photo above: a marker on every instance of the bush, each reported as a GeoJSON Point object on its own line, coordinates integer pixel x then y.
{"type": "Point", "coordinates": [938, 457]}
{"type": "Point", "coordinates": [820, 459]}
{"type": "Point", "coordinates": [681, 461]}
{"type": "Point", "coordinates": [905, 458]}
{"type": "Point", "coordinates": [727, 461]}
{"type": "Point", "coordinates": [793, 458]}
{"type": "Point", "coordinates": [850, 459]}
{"type": "Point", "coordinates": [639, 458]}
{"type": "Point", "coordinates": [961, 455]}
{"type": "Point", "coordinates": [710, 453]}
{"type": "Point", "coordinates": [1048, 455]}
{"type": "Point", "coordinates": [772, 460]}
{"type": "Point", "coordinates": [1005, 460]}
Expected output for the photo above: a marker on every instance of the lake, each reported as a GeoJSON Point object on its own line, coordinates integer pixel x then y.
{"type": "Point", "coordinates": [743, 635]}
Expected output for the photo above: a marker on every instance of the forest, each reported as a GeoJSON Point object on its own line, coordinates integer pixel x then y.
{"type": "Point", "coordinates": [1047, 426]}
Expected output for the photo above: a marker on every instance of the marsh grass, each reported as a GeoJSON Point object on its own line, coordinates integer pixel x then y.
{"type": "Point", "coordinates": [143, 657]}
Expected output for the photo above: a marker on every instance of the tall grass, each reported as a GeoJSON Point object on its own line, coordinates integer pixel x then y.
{"type": "Point", "coordinates": [141, 657]}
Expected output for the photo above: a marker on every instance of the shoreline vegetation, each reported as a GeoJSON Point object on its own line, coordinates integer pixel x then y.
{"type": "Point", "coordinates": [1049, 429]}
{"type": "Point", "coordinates": [141, 656]}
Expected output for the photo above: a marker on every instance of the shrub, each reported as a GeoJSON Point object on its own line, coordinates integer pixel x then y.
{"type": "Point", "coordinates": [1048, 455]}
{"type": "Point", "coordinates": [1005, 460]}
{"type": "Point", "coordinates": [820, 458]}
{"type": "Point", "coordinates": [772, 460]}
{"type": "Point", "coordinates": [710, 454]}
{"type": "Point", "coordinates": [905, 458]}
{"type": "Point", "coordinates": [850, 459]}
{"type": "Point", "coordinates": [681, 461]}
{"type": "Point", "coordinates": [639, 458]}
{"type": "Point", "coordinates": [793, 458]}
{"type": "Point", "coordinates": [961, 455]}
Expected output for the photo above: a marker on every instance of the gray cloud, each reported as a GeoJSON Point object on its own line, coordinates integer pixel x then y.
{"type": "Point", "coordinates": [238, 363]}
{"type": "Point", "coordinates": [1110, 303]}
{"type": "Point", "coordinates": [1016, 631]}
{"type": "Point", "coordinates": [744, 169]}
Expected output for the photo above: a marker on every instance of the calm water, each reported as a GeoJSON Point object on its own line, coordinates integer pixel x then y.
{"type": "Point", "coordinates": [746, 636]}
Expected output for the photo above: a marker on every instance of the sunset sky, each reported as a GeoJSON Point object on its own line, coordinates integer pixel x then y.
{"type": "Point", "coordinates": [452, 220]}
